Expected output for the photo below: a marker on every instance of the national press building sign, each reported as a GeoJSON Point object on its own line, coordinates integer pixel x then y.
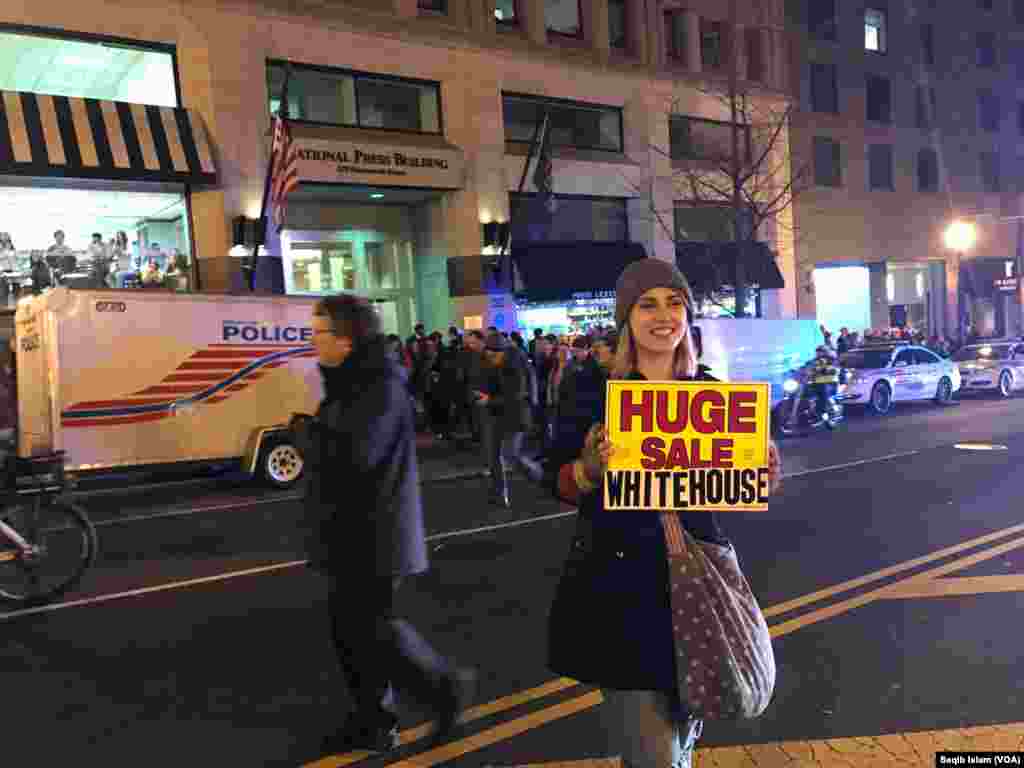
{"type": "Point", "coordinates": [353, 162]}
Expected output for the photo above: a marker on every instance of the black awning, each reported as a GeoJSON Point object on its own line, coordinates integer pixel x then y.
{"type": "Point", "coordinates": [554, 271]}
{"type": "Point", "coordinates": [981, 277]}
{"type": "Point", "coordinates": [710, 266]}
{"type": "Point", "coordinates": [42, 135]}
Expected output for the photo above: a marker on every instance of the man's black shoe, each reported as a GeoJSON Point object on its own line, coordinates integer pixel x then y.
{"type": "Point", "coordinates": [356, 735]}
{"type": "Point", "coordinates": [458, 691]}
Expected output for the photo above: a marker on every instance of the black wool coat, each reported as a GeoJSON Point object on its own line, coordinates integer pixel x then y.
{"type": "Point", "coordinates": [610, 622]}
{"type": "Point", "coordinates": [509, 387]}
{"type": "Point", "coordinates": [363, 511]}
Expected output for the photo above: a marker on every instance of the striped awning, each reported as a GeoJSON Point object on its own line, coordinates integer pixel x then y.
{"type": "Point", "coordinates": [42, 135]}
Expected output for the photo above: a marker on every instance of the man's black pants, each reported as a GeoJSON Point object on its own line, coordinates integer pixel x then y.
{"type": "Point", "coordinates": [379, 652]}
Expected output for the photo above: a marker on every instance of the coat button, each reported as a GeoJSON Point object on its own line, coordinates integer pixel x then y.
{"type": "Point", "coordinates": [620, 555]}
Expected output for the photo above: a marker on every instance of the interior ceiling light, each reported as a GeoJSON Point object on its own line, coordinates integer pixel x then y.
{"type": "Point", "coordinates": [980, 447]}
{"type": "Point", "coordinates": [376, 195]}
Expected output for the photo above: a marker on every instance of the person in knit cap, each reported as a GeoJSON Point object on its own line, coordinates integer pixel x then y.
{"type": "Point", "coordinates": [615, 586]}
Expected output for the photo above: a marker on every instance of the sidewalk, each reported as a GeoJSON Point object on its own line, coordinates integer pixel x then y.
{"type": "Point", "coordinates": [889, 751]}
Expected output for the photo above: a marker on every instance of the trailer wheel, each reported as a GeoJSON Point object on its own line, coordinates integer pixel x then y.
{"type": "Point", "coordinates": [280, 462]}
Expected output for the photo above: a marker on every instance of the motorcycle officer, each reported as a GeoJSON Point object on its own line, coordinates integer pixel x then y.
{"type": "Point", "coordinates": [823, 380]}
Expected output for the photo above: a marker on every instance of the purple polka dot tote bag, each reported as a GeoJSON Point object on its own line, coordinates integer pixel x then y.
{"type": "Point", "coordinates": [725, 663]}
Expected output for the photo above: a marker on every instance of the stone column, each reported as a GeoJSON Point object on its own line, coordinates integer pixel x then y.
{"type": "Point", "coordinates": [640, 40]}
{"type": "Point", "coordinates": [650, 212]}
{"type": "Point", "coordinates": [534, 22]}
{"type": "Point", "coordinates": [953, 261]}
{"type": "Point", "coordinates": [404, 8]}
{"type": "Point", "coordinates": [653, 33]}
{"type": "Point", "coordinates": [692, 24]}
{"type": "Point", "coordinates": [226, 84]}
{"type": "Point", "coordinates": [595, 27]}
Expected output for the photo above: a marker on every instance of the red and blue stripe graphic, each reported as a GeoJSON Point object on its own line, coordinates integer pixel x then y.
{"type": "Point", "coordinates": [207, 377]}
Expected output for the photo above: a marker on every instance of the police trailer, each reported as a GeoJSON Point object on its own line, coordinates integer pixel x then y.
{"type": "Point", "coordinates": [135, 379]}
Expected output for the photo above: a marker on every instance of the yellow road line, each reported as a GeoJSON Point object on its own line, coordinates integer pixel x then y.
{"type": "Point", "coordinates": [477, 741]}
{"type": "Point", "coordinates": [831, 611]}
{"type": "Point", "coordinates": [411, 735]}
{"type": "Point", "coordinates": [962, 585]}
{"type": "Point", "coordinates": [892, 570]}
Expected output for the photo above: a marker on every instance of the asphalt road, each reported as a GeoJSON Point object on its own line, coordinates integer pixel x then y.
{"type": "Point", "coordinates": [199, 640]}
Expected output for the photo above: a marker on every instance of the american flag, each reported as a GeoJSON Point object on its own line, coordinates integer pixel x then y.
{"type": "Point", "coordinates": [284, 172]}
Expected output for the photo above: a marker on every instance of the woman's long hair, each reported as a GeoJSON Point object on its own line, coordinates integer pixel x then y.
{"type": "Point", "coordinates": [685, 361]}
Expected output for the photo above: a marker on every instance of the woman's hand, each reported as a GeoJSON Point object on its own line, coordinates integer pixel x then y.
{"type": "Point", "coordinates": [596, 452]}
{"type": "Point", "coordinates": [774, 467]}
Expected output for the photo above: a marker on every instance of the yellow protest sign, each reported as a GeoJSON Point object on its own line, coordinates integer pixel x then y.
{"type": "Point", "coordinates": [691, 445]}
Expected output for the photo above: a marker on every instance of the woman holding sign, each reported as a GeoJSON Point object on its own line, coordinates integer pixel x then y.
{"type": "Point", "coordinates": [611, 622]}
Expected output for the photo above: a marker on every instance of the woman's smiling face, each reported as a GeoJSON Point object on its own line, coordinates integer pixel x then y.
{"type": "Point", "coordinates": [658, 320]}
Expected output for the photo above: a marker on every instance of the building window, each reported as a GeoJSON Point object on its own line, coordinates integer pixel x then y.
{"type": "Point", "coordinates": [580, 126]}
{"type": "Point", "coordinates": [575, 217]}
{"type": "Point", "coordinates": [433, 6]}
{"type": "Point", "coordinates": [754, 45]}
{"type": "Point", "coordinates": [824, 93]}
{"type": "Point", "coordinates": [879, 101]}
{"type": "Point", "coordinates": [821, 19]}
{"type": "Point", "coordinates": [692, 138]}
{"type": "Point", "coordinates": [617, 24]}
{"type": "Point", "coordinates": [926, 107]}
{"type": "Point", "coordinates": [988, 110]}
{"type": "Point", "coordinates": [712, 38]}
{"type": "Point", "coordinates": [564, 17]}
{"type": "Point", "coordinates": [107, 71]}
{"type": "Point", "coordinates": [1020, 117]}
{"type": "Point", "coordinates": [874, 30]}
{"type": "Point", "coordinates": [337, 97]}
{"type": "Point", "coordinates": [880, 166]}
{"type": "Point", "coordinates": [986, 49]}
{"type": "Point", "coordinates": [675, 36]}
{"type": "Point", "coordinates": [927, 170]}
{"type": "Point", "coordinates": [506, 12]}
{"type": "Point", "coordinates": [709, 223]}
{"type": "Point", "coordinates": [990, 181]}
{"type": "Point", "coordinates": [827, 162]}
{"type": "Point", "coordinates": [928, 45]}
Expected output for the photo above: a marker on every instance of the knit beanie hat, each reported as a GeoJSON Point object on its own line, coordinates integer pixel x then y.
{"type": "Point", "coordinates": [640, 277]}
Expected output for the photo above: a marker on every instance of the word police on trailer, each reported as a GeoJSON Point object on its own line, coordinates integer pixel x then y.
{"type": "Point", "coordinates": [687, 445]}
{"type": "Point", "coordinates": [240, 330]}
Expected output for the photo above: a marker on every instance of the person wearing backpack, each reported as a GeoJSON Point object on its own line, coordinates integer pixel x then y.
{"type": "Point", "coordinates": [509, 408]}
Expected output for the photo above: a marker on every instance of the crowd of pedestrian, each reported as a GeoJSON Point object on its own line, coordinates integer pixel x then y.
{"type": "Point", "coordinates": [937, 343]}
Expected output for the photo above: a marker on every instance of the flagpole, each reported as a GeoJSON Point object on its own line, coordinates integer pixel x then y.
{"type": "Point", "coordinates": [283, 106]}
{"type": "Point", "coordinates": [539, 130]}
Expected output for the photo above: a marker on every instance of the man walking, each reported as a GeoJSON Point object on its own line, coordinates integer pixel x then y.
{"type": "Point", "coordinates": [508, 405]}
{"type": "Point", "coordinates": [365, 527]}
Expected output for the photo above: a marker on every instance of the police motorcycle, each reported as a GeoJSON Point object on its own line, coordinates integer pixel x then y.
{"type": "Point", "coordinates": [800, 410]}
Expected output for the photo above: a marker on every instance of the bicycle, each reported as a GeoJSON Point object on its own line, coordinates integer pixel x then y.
{"type": "Point", "coordinates": [47, 542]}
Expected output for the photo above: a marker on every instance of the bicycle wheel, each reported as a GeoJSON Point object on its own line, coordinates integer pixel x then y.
{"type": "Point", "coordinates": [61, 546]}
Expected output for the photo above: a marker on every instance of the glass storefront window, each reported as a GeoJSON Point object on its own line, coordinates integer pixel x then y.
{"type": "Point", "coordinates": [108, 237]}
{"type": "Point", "coordinates": [338, 97]}
{"type": "Point", "coordinates": [85, 69]}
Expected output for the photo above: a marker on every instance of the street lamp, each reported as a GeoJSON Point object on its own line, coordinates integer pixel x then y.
{"type": "Point", "coordinates": [960, 237]}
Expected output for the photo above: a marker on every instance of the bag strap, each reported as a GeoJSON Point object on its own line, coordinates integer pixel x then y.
{"type": "Point", "coordinates": [675, 539]}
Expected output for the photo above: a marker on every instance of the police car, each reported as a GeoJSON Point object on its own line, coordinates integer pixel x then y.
{"type": "Point", "coordinates": [994, 366]}
{"type": "Point", "coordinates": [878, 375]}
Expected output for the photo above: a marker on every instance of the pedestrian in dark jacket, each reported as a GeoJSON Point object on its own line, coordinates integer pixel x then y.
{"type": "Point", "coordinates": [510, 412]}
{"type": "Point", "coordinates": [365, 524]}
{"type": "Point", "coordinates": [615, 585]}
